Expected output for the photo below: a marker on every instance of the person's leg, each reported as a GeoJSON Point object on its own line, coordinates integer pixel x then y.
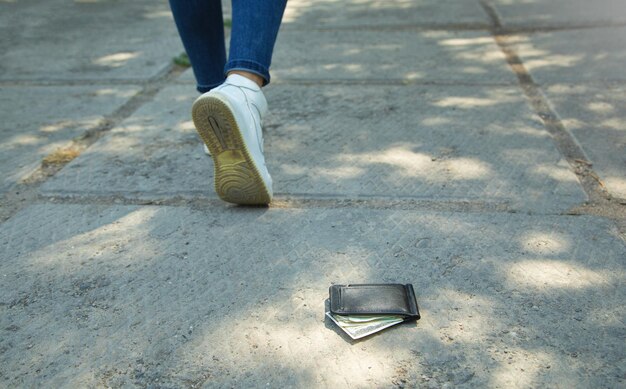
{"type": "Point", "coordinates": [201, 28]}
{"type": "Point", "coordinates": [229, 117]}
{"type": "Point", "coordinates": [254, 31]}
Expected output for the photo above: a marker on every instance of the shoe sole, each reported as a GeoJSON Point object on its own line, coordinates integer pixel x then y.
{"type": "Point", "coordinates": [237, 179]}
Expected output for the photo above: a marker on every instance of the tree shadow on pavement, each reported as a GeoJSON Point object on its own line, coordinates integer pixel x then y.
{"type": "Point", "coordinates": [195, 295]}
{"type": "Point", "coordinates": [168, 295]}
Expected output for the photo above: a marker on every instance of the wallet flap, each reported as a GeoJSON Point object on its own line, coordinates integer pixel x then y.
{"type": "Point", "coordinates": [373, 299]}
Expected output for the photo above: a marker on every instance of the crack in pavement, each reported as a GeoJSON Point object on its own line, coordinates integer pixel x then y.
{"type": "Point", "coordinates": [600, 203]}
{"type": "Point", "coordinates": [26, 191]}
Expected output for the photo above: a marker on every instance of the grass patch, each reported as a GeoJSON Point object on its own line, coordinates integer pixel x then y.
{"type": "Point", "coordinates": [228, 23]}
{"type": "Point", "coordinates": [182, 60]}
{"type": "Point", "coordinates": [60, 156]}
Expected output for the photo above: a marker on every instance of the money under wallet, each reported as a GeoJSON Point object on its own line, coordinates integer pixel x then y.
{"type": "Point", "coordinates": [363, 309]}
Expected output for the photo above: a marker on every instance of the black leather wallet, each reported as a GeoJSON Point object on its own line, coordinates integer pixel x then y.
{"type": "Point", "coordinates": [374, 299]}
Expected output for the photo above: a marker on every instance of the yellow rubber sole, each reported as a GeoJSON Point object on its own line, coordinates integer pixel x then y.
{"type": "Point", "coordinates": [237, 179]}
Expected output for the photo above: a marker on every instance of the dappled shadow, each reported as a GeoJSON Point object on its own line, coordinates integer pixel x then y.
{"type": "Point", "coordinates": [580, 71]}
{"type": "Point", "coordinates": [170, 296]}
{"type": "Point", "coordinates": [154, 153]}
{"type": "Point", "coordinates": [596, 116]}
{"type": "Point", "coordinates": [302, 14]}
{"type": "Point", "coordinates": [559, 13]}
{"type": "Point", "coordinates": [433, 56]}
{"type": "Point", "coordinates": [230, 296]}
{"type": "Point", "coordinates": [72, 41]}
{"type": "Point", "coordinates": [30, 131]}
{"type": "Point", "coordinates": [445, 142]}
{"type": "Point", "coordinates": [573, 56]}
{"type": "Point", "coordinates": [97, 39]}
{"type": "Point", "coordinates": [462, 143]}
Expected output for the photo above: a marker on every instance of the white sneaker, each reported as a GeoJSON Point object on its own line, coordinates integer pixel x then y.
{"type": "Point", "coordinates": [229, 119]}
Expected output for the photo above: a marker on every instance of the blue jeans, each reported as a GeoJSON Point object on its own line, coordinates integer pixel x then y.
{"type": "Point", "coordinates": [254, 29]}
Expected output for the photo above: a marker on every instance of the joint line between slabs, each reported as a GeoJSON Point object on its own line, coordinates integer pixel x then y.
{"type": "Point", "coordinates": [286, 202]}
{"type": "Point", "coordinates": [460, 27]}
{"type": "Point", "coordinates": [564, 141]}
{"type": "Point", "coordinates": [613, 210]}
{"type": "Point", "coordinates": [76, 82]}
{"type": "Point", "coordinates": [25, 192]}
{"type": "Point", "coordinates": [380, 81]}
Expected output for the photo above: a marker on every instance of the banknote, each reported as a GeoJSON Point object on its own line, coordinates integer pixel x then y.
{"type": "Point", "coordinates": [359, 326]}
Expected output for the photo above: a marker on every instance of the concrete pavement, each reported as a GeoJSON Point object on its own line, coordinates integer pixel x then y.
{"type": "Point", "coordinates": [473, 149]}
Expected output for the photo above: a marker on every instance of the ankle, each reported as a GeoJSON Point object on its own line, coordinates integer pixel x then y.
{"type": "Point", "coordinates": [251, 76]}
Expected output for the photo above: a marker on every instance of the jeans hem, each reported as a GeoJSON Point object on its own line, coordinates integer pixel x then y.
{"type": "Point", "coordinates": [202, 88]}
{"type": "Point", "coordinates": [248, 66]}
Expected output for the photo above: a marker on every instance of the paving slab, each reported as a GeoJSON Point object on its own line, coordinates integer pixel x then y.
{"type": "Point", "coordinates": [129, 296]}
{"type": "Point", "coordinates": [445, 56]}
{"type": "Point", "coordinates": [574, 56]}
{"type": "Point", "coordinates": [378, 13]}
{"type": "Point", "coordinates": [559, 13]}
{"type": "Point", "coordinates": [38, 120]}
{"type": "Point", "coordinates": [422, 142]}
{"type": "Point", "coordinates": [595, 115]}
{"type": "Point", "coordinates": [103, 40]}
{"type": "Point", "coordinates": [373, 55]}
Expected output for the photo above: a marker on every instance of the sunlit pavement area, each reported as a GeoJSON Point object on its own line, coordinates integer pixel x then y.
{"type": "Point", "coordinates": [476, 149]}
